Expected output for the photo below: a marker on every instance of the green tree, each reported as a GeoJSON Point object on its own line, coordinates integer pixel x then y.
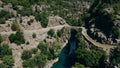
{"type": "Point", "coordinates": [43, 47]}
{"type": "Point", "coordinates": [4, 15]}
{"type": "Point", "coordinates": [8, 60]}
{"type": "Point", "coordinates": [34, 50]}
{"type": "Point", "coordinates": [2, 65]}
{"type": "Point", "coordinates": [43, 18]}
{"type": "Point", "coordinates": [55, 49]}
{"type": "Point", "coordinates": [12, 38]}
{"type": "Point", "coordinates": [114, 56]}
{"type": "Point", "coordinates": [59, 33]}
{"type": "Point", "coordinates": [2, 20]}
{"type": "Point", "coordinates": [84, 56]}
{"type": "Point", "coordinates": [34, 35]}
{"type": "Point", "coordinates": [51, 32]}
{"type": "Point", "coordinates": [78, 65]}
{"type": "Point", "coordinates": [5, 50]}
{"type": "Point", "coordinates": [26, 54]}
{"type": "Point", "coordinates": [116, 31]}
{"type": "Point", "coordinates": [15, 26]}
{"type": "Point", "coordinates": [26, 11]}
{"type": "Point", "coordinates": [40, 60]}
{"type": "Point", "coordinates": [17, 38]}
{"type": "Point", "coordinates": [30, 63]}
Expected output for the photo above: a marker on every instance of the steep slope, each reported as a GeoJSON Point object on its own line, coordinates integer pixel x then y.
{"type": "Point", "coordinates": [103, 23]}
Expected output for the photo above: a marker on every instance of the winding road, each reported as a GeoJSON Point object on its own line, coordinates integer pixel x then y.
{"type": "Point", "coordinates": [17, 50]}
{"type": "Point", "coordinates": [104, 46]}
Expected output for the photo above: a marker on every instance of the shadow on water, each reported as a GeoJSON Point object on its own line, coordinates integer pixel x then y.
{"type": "Point", "coordinates": [67, 55]}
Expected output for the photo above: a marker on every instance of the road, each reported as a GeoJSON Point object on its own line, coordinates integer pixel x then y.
{"type": "Point", "coordinates": [34, 31]}
{"type": "Point", "coordinates": [104, 46]}
{"type": "Point", "coordinates": [17, 50]}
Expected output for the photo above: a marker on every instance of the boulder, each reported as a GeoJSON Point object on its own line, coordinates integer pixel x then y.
{"type": "Point", "coordinates": [116, 23]}
{"type": "Point", "coordinates": [102, 36]}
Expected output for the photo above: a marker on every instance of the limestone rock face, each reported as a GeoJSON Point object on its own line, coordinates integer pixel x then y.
{"type": "Point", "coordinates": [99, 36]}
{"type": "Point", "coordinates": [102, 36]}
{"type": "Point", "coordinates": [8, 7]}
{"type": "Point", "coordinates": [117, 23]}
{"type": "Point", "coordinates": [38, 8]}
{"type": "Point", "coordinates": [55, 20]}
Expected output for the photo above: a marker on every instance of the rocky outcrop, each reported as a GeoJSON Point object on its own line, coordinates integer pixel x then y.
{"type": "Point", "coordinates": [38, 8]}
{"type": "Point", "coordinates": [9, 8]}
{"type": "Point", "coordinates": [55, 20]}
{"type": "Point", "coordinates": [99, 36]}
{"type": "Point", "coordinates": [116, 23]}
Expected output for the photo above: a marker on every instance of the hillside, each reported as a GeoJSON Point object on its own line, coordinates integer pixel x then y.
{"type": "Point", "coordinates": [59, 33]}
{"type": "Point", "coordinates": [104, 22]}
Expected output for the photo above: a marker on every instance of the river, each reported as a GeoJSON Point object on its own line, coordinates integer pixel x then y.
{"type": "Point", "coordinates": [67, 55]}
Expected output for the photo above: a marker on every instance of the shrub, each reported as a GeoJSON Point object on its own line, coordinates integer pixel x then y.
{"type": "Point", "coordinates": [51, 32]}
{"type": "Point", "coordinates": [2, 20]}
{"type": "Point", "coordinates": [59, 33]}
{"type": "Point", "coordinates": [115, 56]}
{"type": "Point", "coordinates": [27, 43]}
{"type": "Point", "coordinates": [43, 18]}
{"type": "Point", "coordinates": [40, 60]}
{"type": "Point", "coordinates": [15, 26]}
{"type": "Point", "coordinates": [4, 15]}
{"type": "Point", "coordinates": [8, 60]}
{"type": "Point", "coordinates": [78, 65]}
{"type": "Point", "coordinates": [30, 63]}
{"type": "Point", "coordinates": [29, 22]}
{"type": "Point", "coordinates": [6, 56]}
{"type": "Point", "coordinates": [2, 65]}
{"type": "Point", "coordinates": [34, 35]}
{"type": "Point", "coordinates": [5, 50]}
{"type": "Point", "coordinates": [43, 47]}
{"type": "Point", "coordinates": [26, 54]}
{"type": "Point", "coordinates": [55, 49]}
{"type": "Point", "coordinates": [25, 11]}
{"type": "Point", "coordinates": [116, 31]}
{"type": "Point", "coordinates": [34, 50]}
{"type": "Point", "coordinates": [17, 38]}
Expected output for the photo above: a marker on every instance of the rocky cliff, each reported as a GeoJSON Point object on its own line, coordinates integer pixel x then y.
{"type": "Point", "coordinates": [104, 22]}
